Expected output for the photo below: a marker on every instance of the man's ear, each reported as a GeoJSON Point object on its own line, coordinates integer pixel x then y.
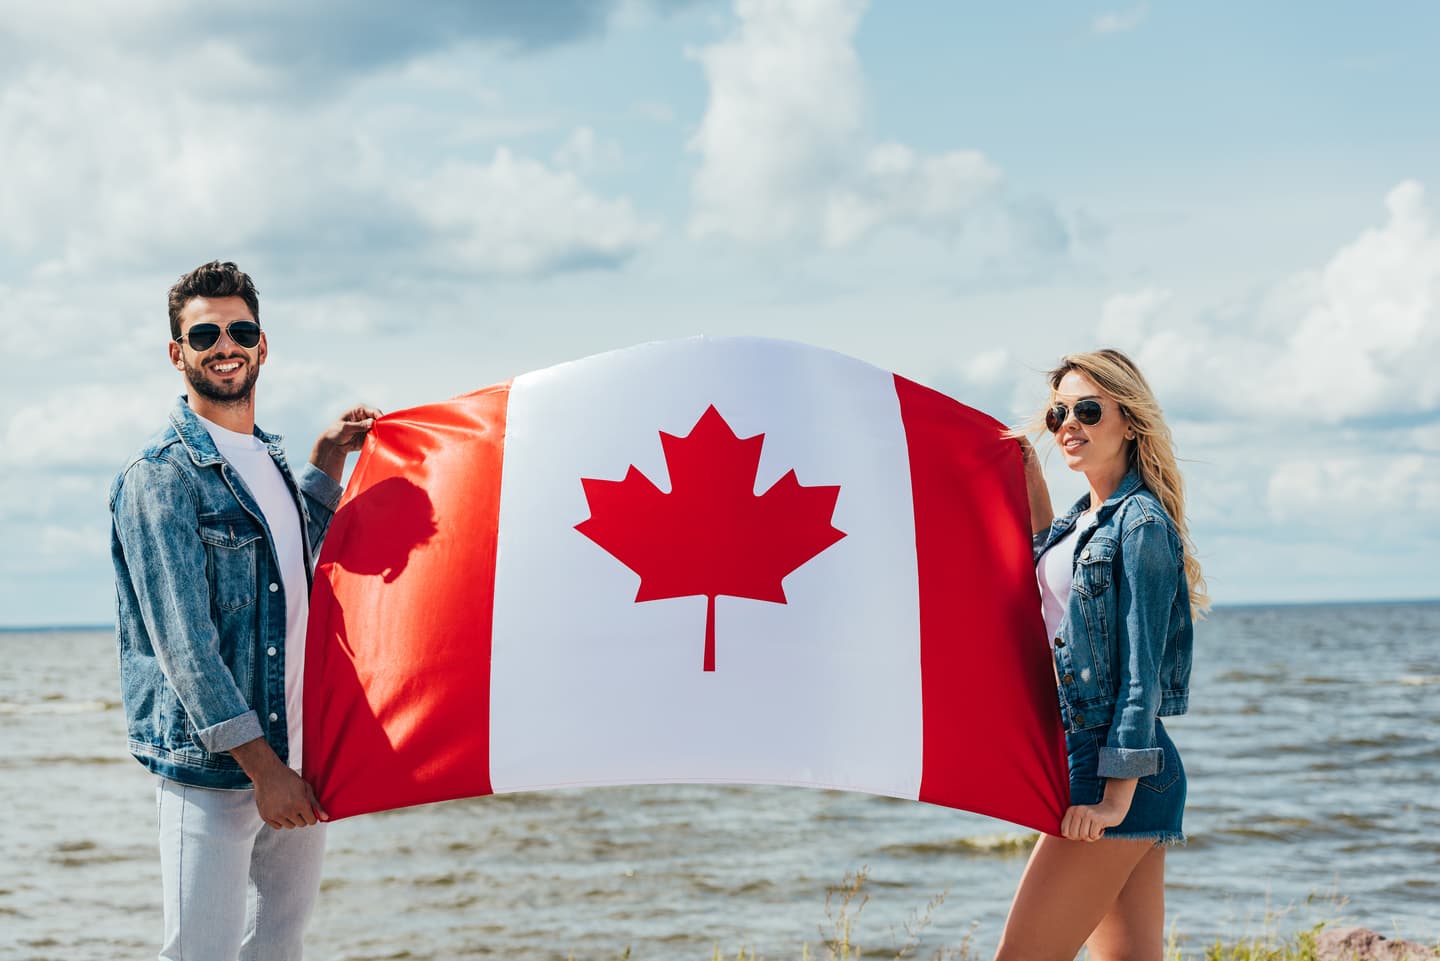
{"type": "Point", "coordinates": [264, 348]}
{"type": "Point", "coordinates": [177, 359]}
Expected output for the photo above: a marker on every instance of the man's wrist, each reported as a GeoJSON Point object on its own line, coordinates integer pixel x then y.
{"type": "Point", "coordinates": [257, 759]}
{"type": "Point", "coordinates": [329, 458]}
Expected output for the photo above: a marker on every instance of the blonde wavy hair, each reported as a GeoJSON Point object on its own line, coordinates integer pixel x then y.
{"type": "Point", "coordinates": [1152, 451]}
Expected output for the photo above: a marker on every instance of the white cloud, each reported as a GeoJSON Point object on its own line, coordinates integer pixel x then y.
{"type": "Point", "coordinates": [784, 112]}
{"type": "Point", "coordinates": [1312, 406]}
{"type": "Point", "coordinates": [656, 111]}
{"type": "Point", "coordinates": [128, 170]}
{"type": "Point", "coordinates": [1373, 328]}
{"type": "Point", "coordinates": [897, 185]}
{"type": "Point", "coordinates": [1125, 317]}
{"type": "Point", "coordinates": [586, 153]}
{"type": "Point", "coordinates": [30, 495]}
{"type": "Point", "coordinates": [78, 542]}
{"type": "Point", "coordinates": [1357, 338]}
{"type": "Point", "coordinates": [365, 203]}
{"type": "Point", "coordinates": [343, 314]}
{"type": "Point", "coordinates": [988, 368]}
{"type": "Point", "coordinates": [1424, 439]}
{"type": "Point", "coordinates": [52, 313]}
{"type": "Point", "coordinates": [1120, 21]}
{"type": "Point", "coordinates": [125, 171]}
{"type": "Point", "coordinates": [322, 43]}
{"type": "Point", "coordinates": [783, 150]}
{"type": "Point", "coordinates": [22, 332]}
{"type": "Point", "coordinates": [86, 426]}
{"type": "Point", "coordinates": [517, 216]}
{"type": "Point", "coordinates": [1398, 490]}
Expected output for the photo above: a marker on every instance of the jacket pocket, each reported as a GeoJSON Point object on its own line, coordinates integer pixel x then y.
{"type": "Point", "coordinates": [1094, 566]}
{"type": "Point", "coordinates": [172, 724]}
{"type": "Point", "coordinates": [232, 543]}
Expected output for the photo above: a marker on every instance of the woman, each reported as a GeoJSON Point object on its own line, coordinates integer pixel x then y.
{"type": "Point", "coordinates": [1119, 588]}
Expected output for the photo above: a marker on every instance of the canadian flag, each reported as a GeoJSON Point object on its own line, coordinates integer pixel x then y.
{"type": "Point", "coordinates": [707, 560]}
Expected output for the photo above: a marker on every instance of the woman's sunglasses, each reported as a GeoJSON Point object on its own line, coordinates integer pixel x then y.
{"type": "Point", "coordinates": [1087, 412]}
{"type": "Point", "coordinates": [245, 333]}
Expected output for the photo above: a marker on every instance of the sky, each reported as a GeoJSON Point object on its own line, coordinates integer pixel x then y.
{"type": "Point", "coordinates": [434, 197]}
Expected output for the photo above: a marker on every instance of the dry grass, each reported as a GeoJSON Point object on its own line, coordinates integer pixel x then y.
{"type": "Point", "coordinates": [845, 901]}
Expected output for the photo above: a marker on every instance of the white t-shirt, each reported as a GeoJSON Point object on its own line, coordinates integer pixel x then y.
{"type": "Point", "coordinates": [252, 462]}
{"type": "Point", "coordinates": [1056, 572]}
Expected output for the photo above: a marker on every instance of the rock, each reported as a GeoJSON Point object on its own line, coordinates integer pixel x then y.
{"type": "Point", "coordinates": [1362, 944]}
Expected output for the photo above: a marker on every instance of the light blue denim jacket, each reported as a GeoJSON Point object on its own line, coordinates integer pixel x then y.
{"type": "Point", "coordinates": [200, 604]}
{"type": "Point", "coordinates": [1123, 650]}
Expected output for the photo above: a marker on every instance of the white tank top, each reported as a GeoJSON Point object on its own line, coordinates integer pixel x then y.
{"type": "Point", "coordinates": [1056, 572]}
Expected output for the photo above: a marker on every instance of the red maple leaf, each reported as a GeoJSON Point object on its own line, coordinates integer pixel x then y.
{"type": "Point", "coordinates": [711, 534]}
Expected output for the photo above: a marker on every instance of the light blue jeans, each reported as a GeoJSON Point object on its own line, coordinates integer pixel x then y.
{"type": "Point", "coordinates": [214, 851]}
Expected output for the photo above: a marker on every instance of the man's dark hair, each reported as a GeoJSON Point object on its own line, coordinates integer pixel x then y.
{"type": "Point", "coordinates": [214, 279]}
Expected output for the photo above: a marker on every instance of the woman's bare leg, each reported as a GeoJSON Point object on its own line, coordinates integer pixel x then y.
{"type": "Point", "coordinates": [1134, 928]}
{"type": "Point", "coordinates": [1067, 889]}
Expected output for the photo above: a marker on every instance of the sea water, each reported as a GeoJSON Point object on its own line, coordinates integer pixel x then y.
{"type": "Point", "coordinates": [1312, 748]}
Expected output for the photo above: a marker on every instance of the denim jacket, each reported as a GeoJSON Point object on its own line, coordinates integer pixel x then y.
{"type": "Point", "coordinates": [200, 604]}
{"type": "Point", "coordinates": [1123, 650]}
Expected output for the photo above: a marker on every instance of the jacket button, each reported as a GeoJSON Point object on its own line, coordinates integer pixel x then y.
{"type": "Point", "coordinates": [271, 652]}
{"type": "Point", "coordinates": [1079, 719]}
{"type": "Point", "coordinates": [274, 587]}
{"type": "Point", "coordinates": [1067, 679]}
{"type": "Point", "coordinates": [1085, 554]}
{"type": "Point", "coordinates": [274, 717]}
{"type": "Point", "coordinates": [1059, 642]}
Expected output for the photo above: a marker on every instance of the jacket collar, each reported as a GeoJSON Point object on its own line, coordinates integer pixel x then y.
{"type": "Point", "coordinates": [1129, 484]}
{"type": "Point", "coordinates": [197, 440]}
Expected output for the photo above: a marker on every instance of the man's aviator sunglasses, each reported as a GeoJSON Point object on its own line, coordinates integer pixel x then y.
{"type": "Point", "coordinates": [245, 333]}
{"type": "Point", "coordinates": [1086, 412]}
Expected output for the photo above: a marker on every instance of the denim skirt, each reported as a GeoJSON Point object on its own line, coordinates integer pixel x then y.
{"type": "Point", "coordinates": [1158, 808]}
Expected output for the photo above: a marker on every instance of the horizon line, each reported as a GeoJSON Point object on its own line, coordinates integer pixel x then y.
{"type": "Point", "coordinates": [1364, 602]}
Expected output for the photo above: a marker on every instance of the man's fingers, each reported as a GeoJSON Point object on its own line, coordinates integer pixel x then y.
{"type": "Point", "coordinates": [298, 819]}
{"type": "Point", "coordinates": [315, 803]}
{"type": "Point", "coordinates": [361, 412]}
{"type": "Point", "coordinates": [354, 430]}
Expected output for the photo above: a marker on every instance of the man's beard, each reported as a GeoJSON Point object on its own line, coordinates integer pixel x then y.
{"type": "Point", "coordinates": [236, 395]}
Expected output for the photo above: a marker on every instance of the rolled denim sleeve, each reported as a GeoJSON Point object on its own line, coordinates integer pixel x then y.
{"type": "Point", "coordinates": [322, 496]}
{"type": "Point", "coordinates": [238, 730]}
{"type": "Point", "coordinates": [157, 525]}
{"type": "Point", "coordinates": [1149, 579]}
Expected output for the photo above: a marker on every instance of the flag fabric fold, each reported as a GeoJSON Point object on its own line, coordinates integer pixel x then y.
{"type": "Point", "coordinates": [707, 560]}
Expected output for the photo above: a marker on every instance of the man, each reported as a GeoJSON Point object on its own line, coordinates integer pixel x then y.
{"type": "Point", "coordinates": [213, 540]}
